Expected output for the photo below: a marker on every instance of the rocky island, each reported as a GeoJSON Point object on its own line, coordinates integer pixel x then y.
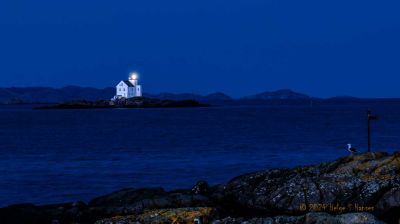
{"type": "Point", "coordinates": [137, 102]}
{"type": "Point", "coordinates": [363, 188]}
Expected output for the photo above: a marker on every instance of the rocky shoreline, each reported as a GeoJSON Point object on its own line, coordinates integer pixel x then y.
{"type": "Point", "coordinates": [356, 189]}
{"type": "Point", "coordinates": [137, 102]}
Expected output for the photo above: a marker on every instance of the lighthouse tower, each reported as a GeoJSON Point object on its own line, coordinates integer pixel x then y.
{"type": "Point", "coordinates": [133, 78]}
{"type": "Point", "coordinates": [129, 88]}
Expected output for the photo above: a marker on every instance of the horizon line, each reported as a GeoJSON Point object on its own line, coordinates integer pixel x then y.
{"type": "Point", "coordinates": [207, 94]}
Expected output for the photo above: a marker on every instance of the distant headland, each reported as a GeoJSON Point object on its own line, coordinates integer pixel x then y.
{"type": "Point", "coordinates": [32, 95]}
{"type": "Point", "coordinates": [47, 95]}
{"type": "Point", "coordinates": [17, 95]}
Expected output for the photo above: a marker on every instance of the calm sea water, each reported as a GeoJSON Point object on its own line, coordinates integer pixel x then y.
{"type": "Point", "coordinates": [68, 155]}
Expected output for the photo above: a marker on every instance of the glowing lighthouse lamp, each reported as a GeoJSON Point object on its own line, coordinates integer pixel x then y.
{"type": "Point", "coordinates": [134, 76]}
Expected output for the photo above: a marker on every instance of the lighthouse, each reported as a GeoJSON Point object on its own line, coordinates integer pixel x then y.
{"type": "Point", "coordinates": [129, 88]}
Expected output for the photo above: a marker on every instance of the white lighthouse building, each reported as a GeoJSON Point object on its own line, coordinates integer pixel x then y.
{"type": "Point", "coordinates": [129, 88]}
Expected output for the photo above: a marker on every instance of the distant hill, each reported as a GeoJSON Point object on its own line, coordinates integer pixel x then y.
{"type": "Point", "coordinates": [52, 95]}
{"type": "Point", "coordinates": [283, 94]}
{"type": "Point", "coordinates": [344, 98]}
{"type": "Point", "coordinates": [173, 96]}
{"type": "Point", "coordinates": [70, 93]}
{"type": "Point", "coordinates": [218, 96]}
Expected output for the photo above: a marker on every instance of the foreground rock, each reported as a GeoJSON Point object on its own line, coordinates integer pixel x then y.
{"type": "Point", "coordinates": [310, 218]}
{"type": "Point", "coordinates": [164, 216]}
{"type": "Point", "coordinates": [131, 201]}
{"type": "Point", "coordinates": [363, 183]}
{"type": "Point", "coordinates": [350, 189]}
{"type": "Point", "coordinates": [207, 216]}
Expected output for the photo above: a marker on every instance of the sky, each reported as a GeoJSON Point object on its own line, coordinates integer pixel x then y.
{"type": "Point", "coordinates": [321, 48]}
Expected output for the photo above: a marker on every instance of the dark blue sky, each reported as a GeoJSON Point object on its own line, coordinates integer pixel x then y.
{"type": "Point", "coordinates": [322, 48]}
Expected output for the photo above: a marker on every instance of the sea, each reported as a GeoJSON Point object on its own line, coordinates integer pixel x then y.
{"type": "Point", "coordinates": [56, 156]}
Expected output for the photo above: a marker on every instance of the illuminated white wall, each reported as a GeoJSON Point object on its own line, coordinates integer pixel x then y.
{"type": "Point", "coordinates": [123, 90]}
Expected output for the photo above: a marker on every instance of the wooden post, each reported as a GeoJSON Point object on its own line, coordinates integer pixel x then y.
{"type": "Point", "coordinates": [369, 130]}
{"type": "Point", "coordinates": [370, 118]}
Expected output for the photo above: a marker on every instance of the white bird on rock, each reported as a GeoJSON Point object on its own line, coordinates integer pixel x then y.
{"type": "Point", "coordinates": [351, 149]}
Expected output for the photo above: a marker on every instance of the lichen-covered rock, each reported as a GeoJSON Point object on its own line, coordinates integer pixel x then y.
{"type": "Point", "coordinates": [310, 218]}
{"type": "Point", "coordinates": [350, 184]}
{"type": "Point", "coordinates": [349, 218]}
{"type": "Point", "coordinates": [254, 221]}
{"type": "Point", "coordinates": [389, 205]}
{"type": "Point", "coordinates": [31, 214]}
{"type": "Point", "coordinates": [201, 187]}
{"type": "Point", "coordinates": [358, 218]}
{"type": "Point", "coordinates": [346, 188]}
{"type": "Point", "coordinates": [130, 219]}
{"type": "Point", "coordinates": [166, 216]}
{"type": "Point", "coordinates": [389, 200]}
{"type": "Point", "coordinates": [135, 201]}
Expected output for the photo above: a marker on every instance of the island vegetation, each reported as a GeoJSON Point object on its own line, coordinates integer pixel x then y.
{"type": "Point", "coordinates": [137, 102]}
